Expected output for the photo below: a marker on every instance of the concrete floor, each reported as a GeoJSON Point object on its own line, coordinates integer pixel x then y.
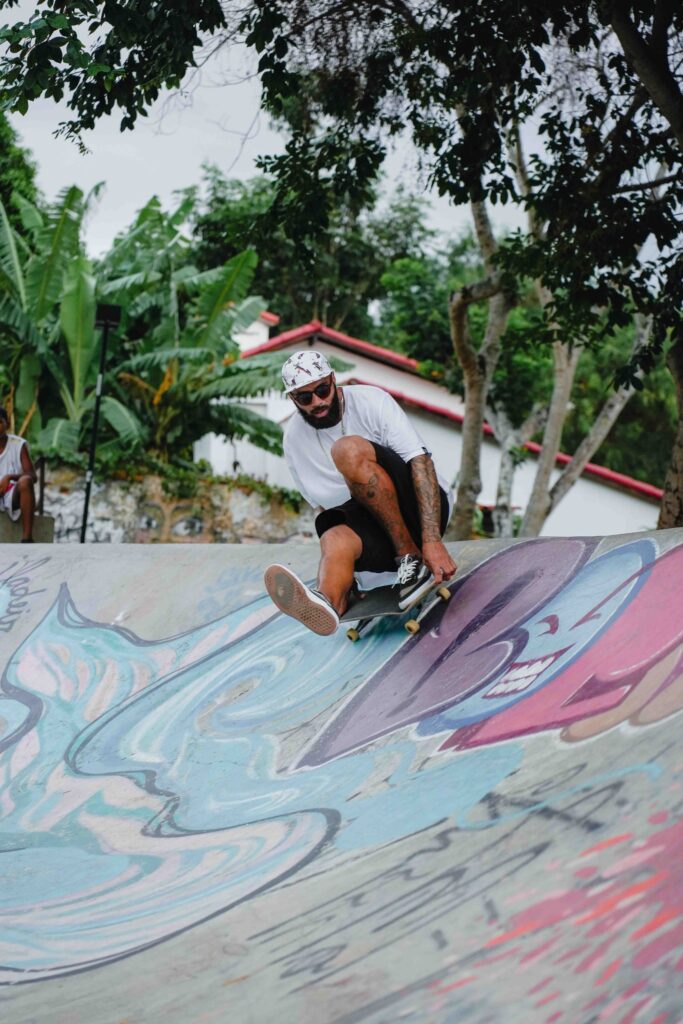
{"type": "Point", "coordinates": [209, 814]}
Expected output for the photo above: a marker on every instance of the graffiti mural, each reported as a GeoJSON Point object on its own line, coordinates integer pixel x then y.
{"type": "Point", "coordinates": [499, 794]}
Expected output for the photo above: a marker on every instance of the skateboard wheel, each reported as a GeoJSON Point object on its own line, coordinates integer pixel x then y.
{"type": "Point", "coordinates": [444, 593]}
{"type": "Point", "coordinates": [353, 635]}
{"type": "Point", "coordinates": [412, 626]}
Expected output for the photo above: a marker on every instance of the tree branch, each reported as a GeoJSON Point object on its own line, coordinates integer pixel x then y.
{"type": "Point", "coordinates": [648, 184]}
{"type": "Point", "coordinates": [649, 64]}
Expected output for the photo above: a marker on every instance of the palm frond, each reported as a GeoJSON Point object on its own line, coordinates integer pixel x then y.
{"type": "Point", "coordinates": [160, 357]}
{"type": "Point", "coordinates": [17, 323]}
{"type": "Point", "coordinates": [31, 217]}
{"type": "Point", "coordinates": [9, 257]}
{"type": "Point", "coordinates": [124, 421]}
{"type": "Point", "coordinates": [77, 319]}
{"type": "Point", "coordinates": [59, 239]}
{"type": "Point", "coordinates": [128, 282]}
{"type": "Point", "coordinates": [233, 420]}
{"type": "Point", "coordinates": [242, 380]}
{"type": "Point", "coordinates": [60, 437]}
{"type": "Point", "coordinates": [231, 287]}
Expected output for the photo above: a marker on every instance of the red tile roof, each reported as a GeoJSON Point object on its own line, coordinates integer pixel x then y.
{"type": "Point", "coordinates": [315, 329]}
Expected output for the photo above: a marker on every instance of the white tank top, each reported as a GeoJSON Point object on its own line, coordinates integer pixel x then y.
{"type": "Point", "coordinates": [10, 459]}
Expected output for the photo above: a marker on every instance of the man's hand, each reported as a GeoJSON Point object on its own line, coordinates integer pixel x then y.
{"type": "Point", "coordinates": [4, 484]}
{"type": "Point", "coordinates": [437, 559]}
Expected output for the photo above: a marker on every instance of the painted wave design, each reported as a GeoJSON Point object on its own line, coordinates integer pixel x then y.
{"type": "Point", "coordinates": [148, 786]}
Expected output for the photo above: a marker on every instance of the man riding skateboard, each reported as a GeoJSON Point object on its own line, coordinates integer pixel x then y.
{"type": "Point", "coordinates": [358, 461]}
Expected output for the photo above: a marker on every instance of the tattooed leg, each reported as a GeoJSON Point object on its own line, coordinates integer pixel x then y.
{"type": "Point", "coordinates": [372, 487]}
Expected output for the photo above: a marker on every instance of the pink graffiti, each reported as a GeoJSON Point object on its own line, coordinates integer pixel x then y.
{"type": "Point", "coordinates": [626, 920]}
{"type": "Point", "coordinates": [634, 671]}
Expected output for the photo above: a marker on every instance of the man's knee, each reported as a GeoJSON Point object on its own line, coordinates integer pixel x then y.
{"type": "Point", "coordinates": [25, 485]}
{"type": "Point", "coordinates": [340, 540]}
{"type": "Point", "coordinates": [348, 452]}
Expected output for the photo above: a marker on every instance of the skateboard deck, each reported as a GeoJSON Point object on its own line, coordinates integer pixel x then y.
{"type": "Point", "coordinates": [376, 604]}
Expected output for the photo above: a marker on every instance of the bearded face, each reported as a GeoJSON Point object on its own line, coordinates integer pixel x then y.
{"type": "Point", "coordinates": [323, 414]}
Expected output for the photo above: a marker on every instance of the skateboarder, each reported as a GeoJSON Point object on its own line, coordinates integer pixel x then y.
{"type": "Point", "coordinates": [358, 461]}
{"type": "Point", "coordinates": [17, 479]}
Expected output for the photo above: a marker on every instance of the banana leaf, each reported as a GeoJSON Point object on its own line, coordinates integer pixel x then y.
{"type": "Point", "coordinates": [77, 319]}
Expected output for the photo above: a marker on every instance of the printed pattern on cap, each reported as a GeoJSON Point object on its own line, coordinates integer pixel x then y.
{"type": "Point", "coordinates": [304, 367]}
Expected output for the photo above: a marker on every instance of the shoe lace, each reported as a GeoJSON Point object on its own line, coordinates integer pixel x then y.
{"type": "Point", "coordinates": [407, 569]}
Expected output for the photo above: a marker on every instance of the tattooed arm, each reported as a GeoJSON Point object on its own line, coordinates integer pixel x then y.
{"type": "Point", "coordinates": [434, 553]}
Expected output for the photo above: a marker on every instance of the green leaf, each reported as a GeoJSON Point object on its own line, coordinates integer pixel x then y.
{"type": "Point", "coordinates": [60, 436]}
{"type": "Point", "coordinates": [9, 257]}
{"type": "Point", "coordinates": [126, 424]}
{"type": "Point", "coordinates": [246, 312]}
{"type": "Point", "coordinates": [234, 420]}
{"type": "Point", "coordinates": [27, 389]}
{"type": "Point", "coordinates": [30, 215]}
{"type": "Point", "coordinates": [161, 358]}
{"type": "Point", "coordinates": [77, 319]}
{"type": "Point", "coordinates": [230, 288]}
{"type": "Point", "coordinates": [18, 324]}
{"type": "Point", "coordinates": [59, 240]}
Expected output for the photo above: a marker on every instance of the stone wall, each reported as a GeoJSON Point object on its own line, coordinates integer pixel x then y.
{"type": "Point", "coordinates": [140, 512]}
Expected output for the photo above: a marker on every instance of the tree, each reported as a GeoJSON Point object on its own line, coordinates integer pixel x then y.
{"type": "Point", "coordinates": [640, 442]}
{"type": "Point", "coordinates": [178, 385]}
{"type": "Point", "coordinates": [464, 84]}
{"type": "Point", "coordinates": [459, 78]}
{"type": "Point", "coordinates": [177, 370]}
{"type": "Point", "coordinates": [338, 274]}
{"type": "Point", "coordinates": [17, 173]}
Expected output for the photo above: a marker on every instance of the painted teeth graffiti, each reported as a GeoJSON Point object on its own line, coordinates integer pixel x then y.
{"type": "Point", "coordinates": [521, 675]}
{"type": "Point", "coordinates": [350, 832]}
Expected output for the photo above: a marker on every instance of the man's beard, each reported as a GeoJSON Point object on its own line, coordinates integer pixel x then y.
{"type": "Point", "coordinates": [330, 419]}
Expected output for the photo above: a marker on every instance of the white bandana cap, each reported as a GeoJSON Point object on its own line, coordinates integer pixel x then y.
{"type": "Point", "coordinates": [304, 367]}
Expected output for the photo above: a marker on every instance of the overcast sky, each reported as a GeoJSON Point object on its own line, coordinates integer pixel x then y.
{"type": "Point", "coordinates": [216, 123]}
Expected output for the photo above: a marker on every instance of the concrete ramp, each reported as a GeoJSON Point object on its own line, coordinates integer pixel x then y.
{"type": "Point", "coordinates": [209, 814]}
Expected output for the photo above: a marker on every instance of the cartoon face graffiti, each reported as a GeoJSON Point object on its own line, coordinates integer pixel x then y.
{"type": "Point", "coordinates": [515, 624]}
{"type": "Point", "coordinates": [546, 643]}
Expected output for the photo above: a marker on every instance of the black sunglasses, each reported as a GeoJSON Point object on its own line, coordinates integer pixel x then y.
{"type": "Point", "coordinates": [306, 397]}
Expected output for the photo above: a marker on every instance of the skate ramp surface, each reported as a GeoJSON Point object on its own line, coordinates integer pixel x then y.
{"type": "Point", "coordinates": [208, 813]}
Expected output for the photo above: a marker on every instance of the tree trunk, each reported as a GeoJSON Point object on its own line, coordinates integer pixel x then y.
{"type": "Point", "coordinates": [502, 513]}
{"type": "Point", "coordinates": [511, 441]}
{"type": "Point", "coordinates": [566, 361]}
{"type": "Point", "coordinates": [671, 512]}
{"type": "Point", "coordinates": [603, 423]}
{"type": "Point", "coordinates": [478, 368]}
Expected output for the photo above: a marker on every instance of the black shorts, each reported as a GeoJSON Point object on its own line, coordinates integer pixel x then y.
{"type": "Point", "coordinates": [378, 553]}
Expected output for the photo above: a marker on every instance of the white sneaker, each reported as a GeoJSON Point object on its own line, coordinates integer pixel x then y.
{"type": "Point", "coordinates": [293, 597]}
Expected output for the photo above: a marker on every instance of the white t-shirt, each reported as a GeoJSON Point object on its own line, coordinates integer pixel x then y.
{"type": "Point", "coordinates": [369, 412]}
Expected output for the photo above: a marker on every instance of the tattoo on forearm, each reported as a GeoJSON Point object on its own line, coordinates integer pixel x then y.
{"type": "Point", "coordinates": [378, 495]}
{"type": "Point", "coordinates": [428, 496]}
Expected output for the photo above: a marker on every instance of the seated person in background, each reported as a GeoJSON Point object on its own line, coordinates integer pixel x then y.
{"type": "Point", "coordinates": [17, 479]}
{"type": "Point", "coordinates": [357, 459]}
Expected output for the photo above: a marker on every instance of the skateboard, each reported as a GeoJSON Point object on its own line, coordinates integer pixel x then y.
{"type": "Point", "coordinates": [366, 606]}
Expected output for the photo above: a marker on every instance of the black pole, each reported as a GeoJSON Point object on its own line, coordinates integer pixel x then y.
{"type": "Point", "coordinates": [106, 316]}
